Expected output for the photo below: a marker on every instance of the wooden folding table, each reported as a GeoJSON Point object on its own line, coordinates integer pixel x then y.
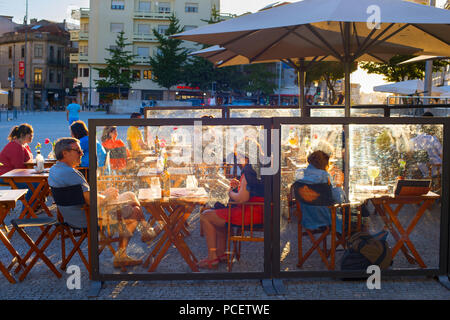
{"type": "Point", "coordinates": [383, 206]}
{"type": "Point", "coordinates": [172, 213]}
{"type": "Point", "coordinates": [30, 176]}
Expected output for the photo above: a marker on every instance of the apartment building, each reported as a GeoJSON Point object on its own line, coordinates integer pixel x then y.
{"type": "Point", "coordinates": [100, 24]}
{"type": "Point", "coordinates": [34, 64]}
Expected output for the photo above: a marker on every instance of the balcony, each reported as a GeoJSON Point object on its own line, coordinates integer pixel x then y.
{"type": "Point", "coordinates": [141, 60]}
{"type": "Point", "coordinates": [84, 13]}
{"type": "Point", "coordinates": [75, 35]}
{"type": "Point", "coordinates": [152, 15]}
{"type": "Point", "coordinates": [144, 37]}
{"type": "Point", "coordinates": [82, 58]}
{"type": "Point", "coordinates": [84, 35]}
{"type": "Point", "coordinates": [74, 58]}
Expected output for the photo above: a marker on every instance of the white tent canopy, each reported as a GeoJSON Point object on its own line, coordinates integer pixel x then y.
{"type": "Point", "coordinates": [409, 87]}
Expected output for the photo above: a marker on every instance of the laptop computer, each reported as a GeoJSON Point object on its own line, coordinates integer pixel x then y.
{"type": "Point", "coordinates": [412, 187]}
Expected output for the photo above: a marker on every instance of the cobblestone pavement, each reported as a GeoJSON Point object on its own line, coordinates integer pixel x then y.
{"type": "Point", "coordinates": [41, 284]}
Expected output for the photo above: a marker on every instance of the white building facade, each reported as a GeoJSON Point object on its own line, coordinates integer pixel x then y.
{"type": "Point", "coordinates": [100, 24]}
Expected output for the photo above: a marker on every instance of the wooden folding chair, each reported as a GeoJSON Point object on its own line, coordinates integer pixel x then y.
{"type": "Point", "coordinates": [72, 196]}
{"type": "Point", "coordinates": [320, 195]}
{"type": "Point", "coordinates": [242, 232]}
{"type": "Point", "coordinates": [47, 224]}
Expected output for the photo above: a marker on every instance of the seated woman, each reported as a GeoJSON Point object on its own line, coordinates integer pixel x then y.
{"type": "Point", "coordinates": [213, 221]}
{"type": "Point", "coordinates": [17, 152]}
{"type": "Point", "coordinates": [118, 152]}
{"type": "Point", "coordinates": [314, 217]}
{"type": "Point", "coordinates": [79, 131]}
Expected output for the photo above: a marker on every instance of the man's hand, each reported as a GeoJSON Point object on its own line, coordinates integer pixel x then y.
{"type": "Point", "coordinates": [234, 183]}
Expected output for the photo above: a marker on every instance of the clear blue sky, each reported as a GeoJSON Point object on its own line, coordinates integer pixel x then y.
{"type": "Point", "coordinates": [58, 10]}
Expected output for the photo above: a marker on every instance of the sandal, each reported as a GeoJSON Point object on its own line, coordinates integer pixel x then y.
{"type": "Point", "coordinates": [208, 264]}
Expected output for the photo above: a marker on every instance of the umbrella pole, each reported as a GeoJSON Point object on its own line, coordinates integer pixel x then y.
{"type": "Point", "coordinates": [304, 110]}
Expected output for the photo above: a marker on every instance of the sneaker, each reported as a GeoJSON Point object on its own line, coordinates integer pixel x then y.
{"type": "Point", "coordinates": [148, 234]}
{"type": "Point", "coordinates": [125, 261]}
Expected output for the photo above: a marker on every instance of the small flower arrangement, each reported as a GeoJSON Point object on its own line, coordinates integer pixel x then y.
{"type": "Point", "coordinates": [51, 155]}
{"type": "Point", "coordinates": [38, 146]}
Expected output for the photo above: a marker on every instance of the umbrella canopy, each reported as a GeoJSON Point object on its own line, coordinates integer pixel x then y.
{"type": "Point", "coordinates": [422, 58]}
{"type": "Point", "coordinates": [338, 28]}
{"type": "Point", "coordinates": [409, 87]}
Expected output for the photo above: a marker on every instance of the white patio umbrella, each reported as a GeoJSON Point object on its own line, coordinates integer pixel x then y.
{"type": "Point", "coordinates": [408, 87]}
{"type": "Point", "coordinates": [422, 58]}
{"type": "Point", "coordinates": [343, 29]}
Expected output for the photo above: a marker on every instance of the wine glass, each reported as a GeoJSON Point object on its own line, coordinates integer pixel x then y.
{"type": "Point", "coordinates": [373, 172]}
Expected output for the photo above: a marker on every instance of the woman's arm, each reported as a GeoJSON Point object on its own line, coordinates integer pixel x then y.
{"type": "Point", "coordinates": [242, 195]}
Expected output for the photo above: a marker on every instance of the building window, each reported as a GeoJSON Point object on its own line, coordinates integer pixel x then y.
{"type": "Point", "coordinates": [191, 7]}
{"type": "Point", "coordinates": [84, 27]}
{"type": "Point", "coordinates": [10, 52]}
{"type": "Point", "coordinates": [144, 6]}
{"type": "Point", "coordinates": [51, 76]}
{"type": "Point", "coordinates": [22, 53]}
{"type": "Point", "coordinates": [37, 75]}
{"type": "Point", "coordinates": [52, 53]}
{"type": "Point", "coordinates": [164, 7]}
{"type": "Point", "coordinates": [83, 50]}
{"type": "Point", "coordinates": [137, 74]}
{"type": "Point", "coordinates": [116, 27]}
{"type": "Point", "coordinates": [162, 29]}
{"type": "Point", "coordinates": [143, 29]}
{"type": "Point", "coordinates": [59, 77]}
{"type": "Point", "coordinates": [143, 52]}
{"type": "Point", "coordinates": [118, 4]}
{"type": "Point", "coordinates": [81, 72]}
{"type": "Point", "coordinates": [38, 50]}
{"type": "Point", "coordinates": [85, 72]}
{"type": "Point", "coordinates": [60, 55]}
{"type": "Point", "coordinates": [147, 74]}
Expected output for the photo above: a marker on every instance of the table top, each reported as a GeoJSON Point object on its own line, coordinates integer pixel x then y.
{"type": "Point", "coordinates": [12, 195]}
{"type": "Point", "coordinates": [429, 195]}
{"type": "Point", "coordinates": [197, 195]}
{"type": "Point", "coordinates": [23, 173]}
{"type": "Point", "coordinates": [145, 172]}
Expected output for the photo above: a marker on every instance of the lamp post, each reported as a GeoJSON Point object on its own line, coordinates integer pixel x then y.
{"type": "Point", "coordinates": [428, 71]}
{"type": "Point", "coordinates": [25, 21]}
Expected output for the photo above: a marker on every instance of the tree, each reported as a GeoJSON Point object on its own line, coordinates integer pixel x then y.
{"type": "Point", "coordinates": [168, 63]}
{"type": "Point", "coordinates": [329, 72]}
{"type": "Point", "coordinates": [117, 72]}
{"type": "Point", "coordinates": [260, 79]}
{"type": "Point", "coordinates": [393, 72]}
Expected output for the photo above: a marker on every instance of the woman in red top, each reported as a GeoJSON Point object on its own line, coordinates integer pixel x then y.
{"type": "Point", "coordinates": [17, 152]}
{"type": "Point", "coordinates": [118, 152]}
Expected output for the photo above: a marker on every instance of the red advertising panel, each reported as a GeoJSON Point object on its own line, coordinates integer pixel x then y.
{"type": "Point", "coordinates": [21, 69]}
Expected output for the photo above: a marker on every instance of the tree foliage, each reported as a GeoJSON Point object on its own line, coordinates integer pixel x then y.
{"type": "Point", "coordinates": [168, 63]}
{"type": "Point", "coordinates": [117, 73]}
{"type": "Point", "coordinates": [393, 72]}
{"type": "Point", "coordinates": [330, 72]}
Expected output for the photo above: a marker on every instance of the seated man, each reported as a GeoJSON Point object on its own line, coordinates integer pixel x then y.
{"type": "Point", "coordinates": [63, 174]}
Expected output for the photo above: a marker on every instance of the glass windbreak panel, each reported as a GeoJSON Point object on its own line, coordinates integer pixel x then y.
{"type": "Point", "coordinates": [263, 113]}
{"type": "Point", "coordinates": [166, 202]}
{"type": "Point", "coordinates": [338, 112]}
{"type": "Point", "coordinates": [396, 171]}
{"type": "Point", "coordinates": [367, 112]}
{"type": "Point", "coordinates": [180, 113]}
{"type": "Point", "coordinates": [297, 143]}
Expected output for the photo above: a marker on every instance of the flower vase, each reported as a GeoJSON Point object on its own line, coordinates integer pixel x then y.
{"type": "Point", "coordinates": [51, 155]}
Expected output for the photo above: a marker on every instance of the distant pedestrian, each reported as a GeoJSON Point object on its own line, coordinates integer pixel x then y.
{"type": "Point", "coordinates": [72, 112]}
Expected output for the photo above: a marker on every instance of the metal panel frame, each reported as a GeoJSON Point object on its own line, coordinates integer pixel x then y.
{"type": "Point", "coordinates": [444, 256]}
{"type": "Point", "coordinates": [93, 238]}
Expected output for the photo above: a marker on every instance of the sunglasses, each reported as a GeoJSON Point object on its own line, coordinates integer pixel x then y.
{"type": "Point", "coordinates": [77, 150]}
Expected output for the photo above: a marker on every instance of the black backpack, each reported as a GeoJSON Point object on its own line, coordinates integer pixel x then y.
{"type": "Point", "coordinates": [365, 250]}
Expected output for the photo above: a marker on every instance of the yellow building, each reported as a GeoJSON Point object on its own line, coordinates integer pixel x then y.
{"type": "Point", "coordinates": [100, 24]}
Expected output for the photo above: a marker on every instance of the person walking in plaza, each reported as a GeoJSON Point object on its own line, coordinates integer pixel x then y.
{"type": "Point", "coordinates": [63, 174]}
{"type": "Point", "coordinates": [72, 112]}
